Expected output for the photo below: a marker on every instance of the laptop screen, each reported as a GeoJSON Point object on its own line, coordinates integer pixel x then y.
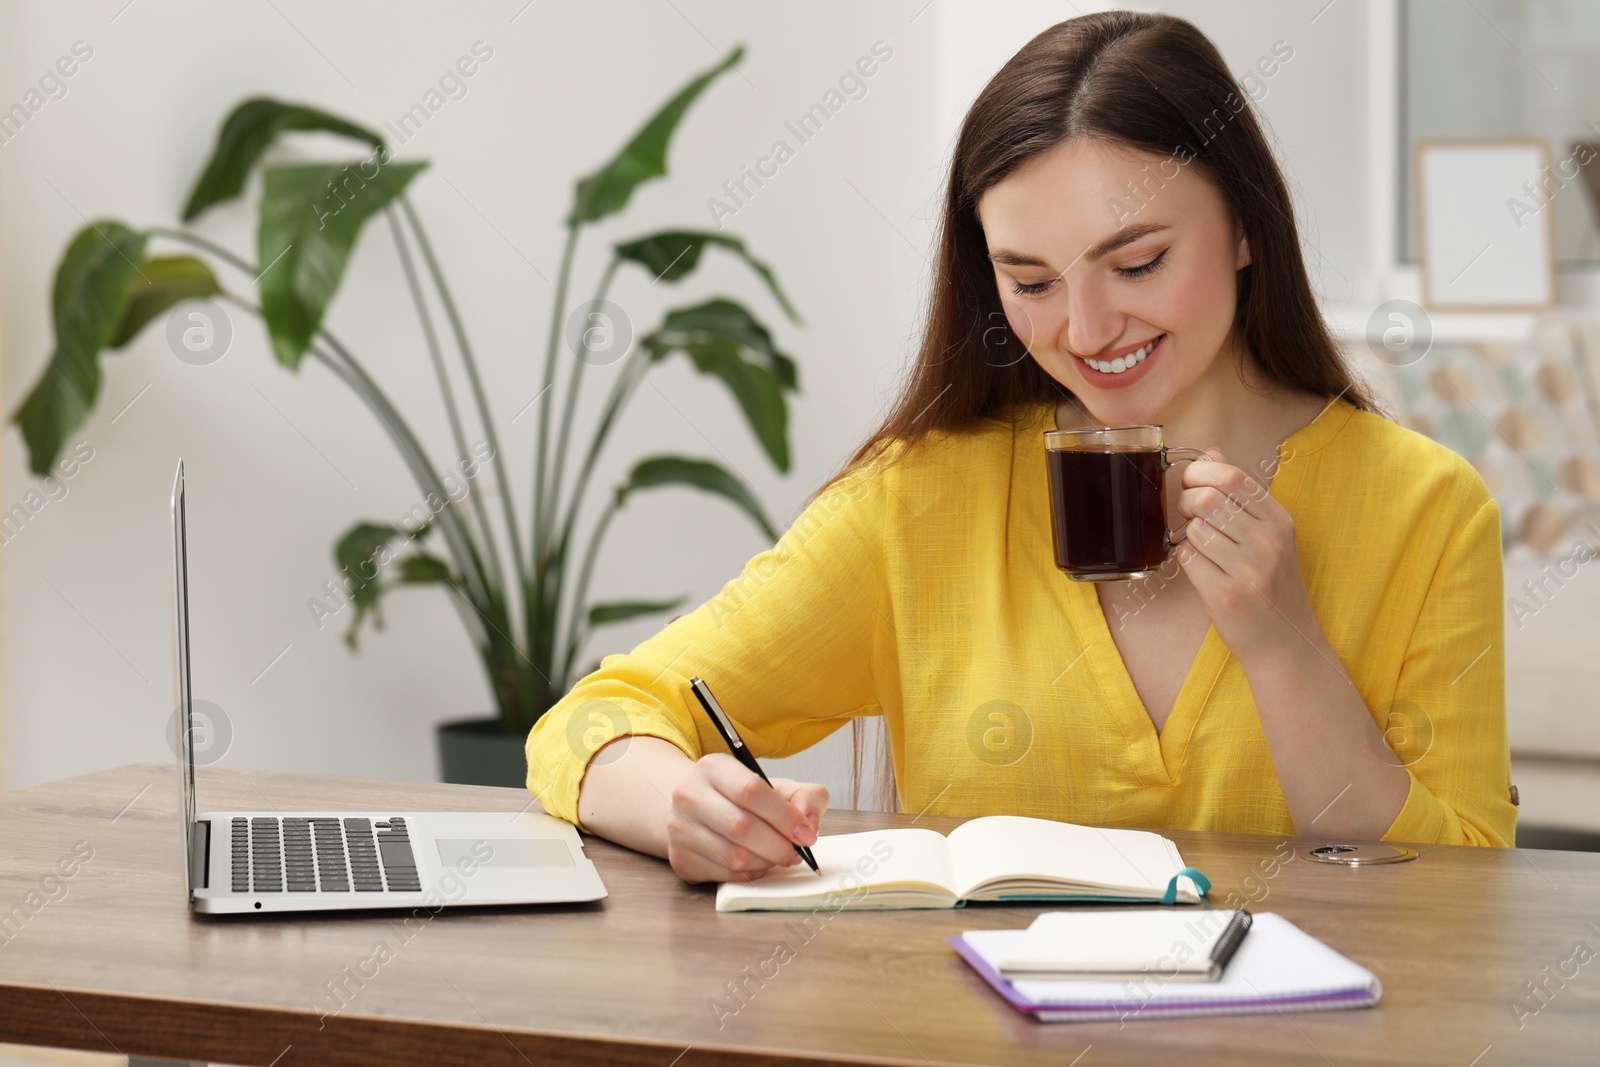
{"type": "Point", "coordinates": [180, 641]}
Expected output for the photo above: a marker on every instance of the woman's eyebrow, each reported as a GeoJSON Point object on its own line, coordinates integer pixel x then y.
{"type": "Point", "coordinates": [1010, 258]}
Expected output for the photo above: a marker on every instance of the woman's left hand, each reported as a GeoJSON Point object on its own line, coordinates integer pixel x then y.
{"type": "Point", "coordinates": [1240, 556]}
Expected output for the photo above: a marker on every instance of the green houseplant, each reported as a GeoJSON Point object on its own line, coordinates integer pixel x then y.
{"type": "Point", "coordinates": [508, 591]}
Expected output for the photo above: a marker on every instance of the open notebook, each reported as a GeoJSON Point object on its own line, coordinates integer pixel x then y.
{"type": "Point", "coordinates": [997, 857]}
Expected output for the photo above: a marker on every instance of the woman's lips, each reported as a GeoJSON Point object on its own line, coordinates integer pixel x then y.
{"type": "Point", "coordinates": [1133, 366]}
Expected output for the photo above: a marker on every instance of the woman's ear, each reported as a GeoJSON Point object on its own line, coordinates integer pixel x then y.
{"type": "Point", "coordinates": [1241, 257]}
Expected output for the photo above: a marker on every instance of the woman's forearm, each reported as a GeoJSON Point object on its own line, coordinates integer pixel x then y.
{"type": "Point", "coordinates": [1339, 777]}
{"type": "Point", "coordinates": [627, 789]}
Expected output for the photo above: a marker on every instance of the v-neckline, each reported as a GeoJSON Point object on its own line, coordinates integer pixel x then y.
{"type": "Point", "coordinates": [1158, 756]}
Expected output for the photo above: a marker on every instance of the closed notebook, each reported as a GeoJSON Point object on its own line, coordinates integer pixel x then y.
{"type": "Point", "coordinates": [1176, 946]}
{"type": "Point", "coordinates": [996, 857]}
{"type": "Point", "coordinates": [1278, 968]}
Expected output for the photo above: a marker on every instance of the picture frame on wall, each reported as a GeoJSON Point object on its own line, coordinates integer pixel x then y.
{"type": "Point", "coordinates": [1485, 224]}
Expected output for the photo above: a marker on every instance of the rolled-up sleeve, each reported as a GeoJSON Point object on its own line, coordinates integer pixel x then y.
{"type": "Point", "coordinates": [1451, 696]}
{"type": "Point", "coordinates": [788, 647]}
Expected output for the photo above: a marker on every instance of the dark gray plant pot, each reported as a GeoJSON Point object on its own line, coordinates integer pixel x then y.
{"type": "Point", "coordinates": [477, 752]}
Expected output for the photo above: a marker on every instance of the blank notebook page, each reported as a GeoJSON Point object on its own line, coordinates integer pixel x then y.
{"type": "Point", "coordinates": [998, 845]}
{"type": "Point", "coordinates": [911, 855]}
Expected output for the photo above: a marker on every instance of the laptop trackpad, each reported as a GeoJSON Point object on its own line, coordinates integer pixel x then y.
{"type": "Point", "coordinates": [504, 852]}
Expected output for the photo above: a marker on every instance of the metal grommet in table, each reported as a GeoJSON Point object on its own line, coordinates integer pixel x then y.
{"type": "Point", "coordinates": [1361, 854]}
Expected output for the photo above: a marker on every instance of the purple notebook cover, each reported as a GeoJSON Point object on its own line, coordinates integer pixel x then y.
{"type": "Point", "coordinates": [1003, 986]}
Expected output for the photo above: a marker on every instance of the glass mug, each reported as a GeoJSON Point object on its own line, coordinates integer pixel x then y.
{"type": "Point", "coordinates": [1108, 501]}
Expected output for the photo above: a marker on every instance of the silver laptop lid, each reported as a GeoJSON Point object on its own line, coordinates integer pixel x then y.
{"type": "Point", "coordinates": [185, 711]}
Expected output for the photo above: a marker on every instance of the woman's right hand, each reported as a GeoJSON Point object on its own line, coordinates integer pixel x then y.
{"type": "Point", "coordinates": [727, 825]}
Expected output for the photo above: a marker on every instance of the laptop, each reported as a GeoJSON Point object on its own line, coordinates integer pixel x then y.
{"type": "Point", "coordinates": [261, 861]}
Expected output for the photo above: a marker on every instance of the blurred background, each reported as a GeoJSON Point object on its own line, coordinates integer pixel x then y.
{"type": "Point", "coordinates": [281, 462]}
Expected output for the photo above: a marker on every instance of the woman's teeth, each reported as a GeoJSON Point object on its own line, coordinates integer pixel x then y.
{"type": "Point", "coordinates": [1122, 363]}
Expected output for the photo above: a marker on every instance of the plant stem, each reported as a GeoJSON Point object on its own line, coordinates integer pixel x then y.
{"type": "Point", "coordinates": [538, 641]}
{"type": "Point", "coordinates": [555, 574]}
{"type": "Point", "coordinates": [455, 530]}
{"type": "Point", "coordinates": [632, 373]}
{"type": "Point", "coordinates": [541, 525]}
{"type": "Point", "coordinates": [523, 666]}
{"type": "Point", "coordinates": [574, 638]}
{"type": "Point", "coordinates": [196, 241]}
{"type": "Point", "coordinates": [447, 393]}
{"type": "Point", "coordinates": [572, 395]}
{"type": "Point", "coordinates": [471, 365]}
{"type": "Point", "coordinates": [458, 597]}
{"type": "Point", "coordinates": [621, 389]}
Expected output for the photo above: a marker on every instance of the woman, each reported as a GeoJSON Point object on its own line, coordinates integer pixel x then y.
{"type": "Point", "coordinates": [1324, 657]}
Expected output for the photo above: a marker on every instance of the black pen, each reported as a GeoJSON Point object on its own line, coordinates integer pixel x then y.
{"type": "Point", "coordinates": [735, 743]}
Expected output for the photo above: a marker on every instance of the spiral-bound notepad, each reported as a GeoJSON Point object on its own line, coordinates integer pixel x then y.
{"type": "Point", "coordinates": [1278, 967]}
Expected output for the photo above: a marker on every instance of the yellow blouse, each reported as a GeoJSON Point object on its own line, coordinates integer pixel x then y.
{"type": "Point", "coordinates": [928, 593]}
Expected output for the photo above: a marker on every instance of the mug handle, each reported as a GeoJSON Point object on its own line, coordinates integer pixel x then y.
{"type": "Point", "coordinates": [1180, 455]}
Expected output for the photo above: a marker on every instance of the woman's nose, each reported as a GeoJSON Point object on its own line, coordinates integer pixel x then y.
{"type": "Point", "coordinates": [1090, 324]}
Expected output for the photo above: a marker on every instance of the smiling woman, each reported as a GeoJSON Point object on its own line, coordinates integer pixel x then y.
{"type": "Point", "coordinates": [1326, 656]}
{"type": "Point", "coordinates": [1104, 310]}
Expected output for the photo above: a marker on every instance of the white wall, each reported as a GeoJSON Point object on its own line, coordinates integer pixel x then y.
{"type": "Point", "coordinates": [87, 673]}
{"type": "Point", "coordinates": [846, 225]}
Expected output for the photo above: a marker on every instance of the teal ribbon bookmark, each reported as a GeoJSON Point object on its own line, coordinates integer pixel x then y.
{"type": "Point", "coordinates": [1200, 880]}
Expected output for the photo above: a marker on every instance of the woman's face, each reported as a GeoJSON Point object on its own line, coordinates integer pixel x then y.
{"type": "Point", "coordinates": [1125, 262]}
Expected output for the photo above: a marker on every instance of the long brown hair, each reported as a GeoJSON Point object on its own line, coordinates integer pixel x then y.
{"type": "Point", "coordinates": [1152, 82]}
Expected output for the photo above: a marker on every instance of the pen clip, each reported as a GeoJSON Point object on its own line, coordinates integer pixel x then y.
{"type": "Point", "coordinates": [719, 718]}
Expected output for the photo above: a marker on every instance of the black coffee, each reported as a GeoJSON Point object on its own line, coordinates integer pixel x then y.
{"type": "Point", "coordinates": [1109, 516]}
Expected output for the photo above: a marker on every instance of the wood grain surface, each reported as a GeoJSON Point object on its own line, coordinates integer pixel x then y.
{"type": "Point", "coordinates": [110, 959]}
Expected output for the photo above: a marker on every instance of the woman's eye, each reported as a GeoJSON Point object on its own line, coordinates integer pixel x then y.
{"type": "Point", "coordinates": [1148, 267]}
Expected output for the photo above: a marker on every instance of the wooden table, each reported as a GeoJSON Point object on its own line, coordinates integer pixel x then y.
{"type": "Point", "coordinates": [115, 962]}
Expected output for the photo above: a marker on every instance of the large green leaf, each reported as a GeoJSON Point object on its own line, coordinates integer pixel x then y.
{"type": "Point", "coordinates": [164, 283]}
{"type": "Point", "coordinates": [617, 611]}
{"type": "Point", "coordinates": [248, 132]}
{"type": "Point", "coordinates": [716, 336]}
{"type": "Point", "coordinates": [721, 317]}
{"type": "Point", "coordinates": [310, 219]}
{"type": "Point", "coordinates": [361, 553]}
{"type": "Point", "coordinates": [660, 471]}
{"type": "Point", "coordinates": [607, 190]}
{"type": "Point", "coordinates": [422, 569]}
{"type": "Point", "coordinates": [89, 300]}
{"type": "Point", "coordinates": [671, 254]}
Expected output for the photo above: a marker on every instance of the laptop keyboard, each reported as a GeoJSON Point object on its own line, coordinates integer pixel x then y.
{"type": "Point", "coordinates": [311, 854]}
